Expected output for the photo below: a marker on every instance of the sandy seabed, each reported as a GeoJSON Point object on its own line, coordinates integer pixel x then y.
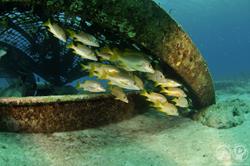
{"type": "Point", "coordinates": [150, 139]}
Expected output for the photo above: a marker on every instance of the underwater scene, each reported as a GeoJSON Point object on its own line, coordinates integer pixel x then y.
{"type": "Point", "coordinates": [124, 83]}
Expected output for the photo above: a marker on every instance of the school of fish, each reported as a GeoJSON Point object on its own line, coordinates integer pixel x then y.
{"type": "Point", "coordinates": [120, 68]}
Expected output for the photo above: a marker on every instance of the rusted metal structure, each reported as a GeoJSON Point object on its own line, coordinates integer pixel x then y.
{"type": "Point", "coordinates": [143, 23]}
{"type": "Point", "coordinates": [64, 113]}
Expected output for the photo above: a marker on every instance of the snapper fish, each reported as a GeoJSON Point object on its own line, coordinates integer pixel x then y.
{"type": "Point", "coordinates": [133, 61]}
{"type": "Point", "coordinates": [157, 76]}
{"type": "Point", "coordinates": [175, 92]}
{"type": "Point", "coordinates": [181, 102]}
{"type": "Point", "coordinates": [128, 60]}
{"type": "Point", "coordinates": [91, 86]}
{"type": "Point", "coordinates": [84, 38]}
{"type": "Point", "coordinates": [154, 97]}
{"type": "Point", "coordinates": [105, 53]}
{"type": "Point", "coordinates": [167, 108]}
{"type": "Point", "coordinates": [119, 94]}
{"type": "Point", "coordinates": [168, 83]}
{"type": "Point", "coordinates": [113, 75]}
{"type": "Point", "coordinates": [123, 81]}
{"type": "Point", "coordinates": [100, 70]}
{"type": "Point", "coordinates": [161, 80]}
{"type": "Point", "coordinates": [56, 30]}
{"type": "Point", "coordinates": [83, 51]}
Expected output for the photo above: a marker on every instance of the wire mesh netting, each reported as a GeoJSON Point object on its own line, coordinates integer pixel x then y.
{"type": "Point", "coordinates": [35, 51]}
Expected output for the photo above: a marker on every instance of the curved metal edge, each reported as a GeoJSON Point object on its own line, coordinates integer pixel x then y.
{"type": "Point", "coordinates": [24, 101]}
{"type": "Point", "coordinates": [70, 114]}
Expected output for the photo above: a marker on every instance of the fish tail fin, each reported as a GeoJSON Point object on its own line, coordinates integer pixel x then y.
{"type": "Point", "coordinates": [157, 105]}
{"type": "Point", "coordinates": [153, 105]}
{"type": "Point", "coordinates": [70, 32]}
{"type": "Point", "coordinates": [47, 23]}
{"type": "Point", "coordinates": [75, 52]}
{"type": "Point", "coordinates": [110, 83]}
{"type": "Point", "coordinates": [117, 98]}
{"type": "Point", "coordinates": [91, 71]}
{"type": "Point", "coordinates": [112, 86]}
{"type": "Point", "coordinates": [91, 74]}
{"type": "Point", "coordinates": [70, 45]}
{"type": "Point", "coordinates": [144, 92]}
{"type": "Point", "coordinates": [156, 84]}
{"type": "Point", "coordinates": [174, 100]}
{"type": "Point", "coordinates": [78, 85]}
{"type": "Point", "coordinates": [114, 57]}
{"type": "Point", "coordinates": [97, 53]}
{"type": "Point", "coordinates": [159, 109]}
{"type": "Point", "coordinates": [125, 100]}
{"type": "Point", "coordinates": [163, 92]}
{"type": "Point", "coordinates": [84, 67]}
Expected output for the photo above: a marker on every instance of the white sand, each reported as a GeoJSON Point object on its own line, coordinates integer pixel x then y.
{"type": "Point", "coordinates": [150, 139]}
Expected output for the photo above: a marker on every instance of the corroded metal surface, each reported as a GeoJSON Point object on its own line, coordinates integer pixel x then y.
{"type": "Point", "coordinates": [64, 113]}
{"type": "Point", "coordinates": [146, 24]}
{"type": "Point", "coordinates": [141, 22]}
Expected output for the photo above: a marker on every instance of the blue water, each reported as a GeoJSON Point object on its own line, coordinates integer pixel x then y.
{"type": "Point", "coordinates": [220, 29]}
